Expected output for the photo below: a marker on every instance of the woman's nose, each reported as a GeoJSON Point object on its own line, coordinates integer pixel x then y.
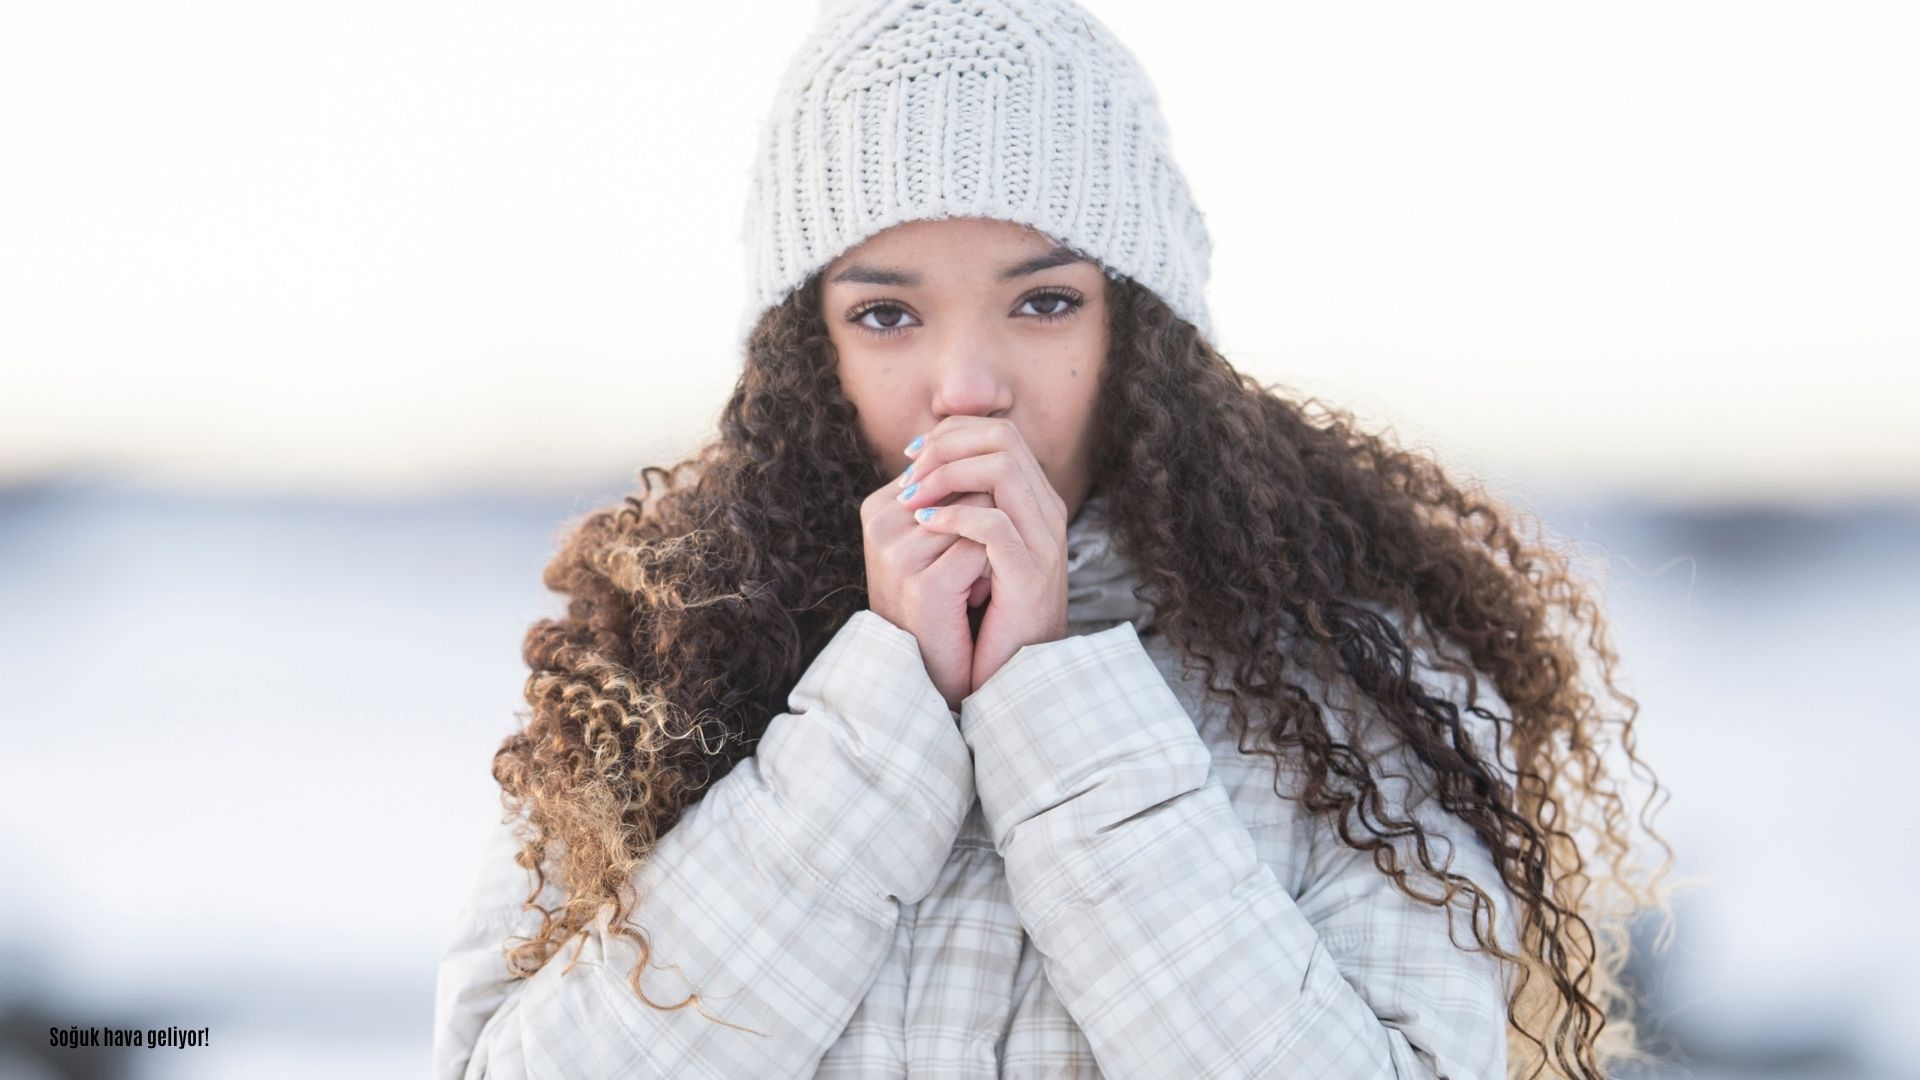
{"type": "Point", "coordinates": [971, 381]}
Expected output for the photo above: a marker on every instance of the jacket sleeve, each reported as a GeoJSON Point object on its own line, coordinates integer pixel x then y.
{"type": "Point", "coordinates": [1172, 945]}
{"type": "Point", "coordinates": [775, 896]}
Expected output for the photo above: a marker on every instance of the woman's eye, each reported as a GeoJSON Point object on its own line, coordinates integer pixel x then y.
{"type": "Point", "coordinates": [890, 316]}
{"type": "Point", "coordinates": [890, 319]}
{"type": "Point", "coordinates": [1058, 305]}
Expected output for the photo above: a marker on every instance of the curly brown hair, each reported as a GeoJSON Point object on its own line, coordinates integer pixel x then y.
{"type": "Point", "coordinates": [696, 603]}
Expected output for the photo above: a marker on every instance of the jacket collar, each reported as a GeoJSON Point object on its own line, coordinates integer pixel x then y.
{"type": "Point", "coordinates": [1101, 580]}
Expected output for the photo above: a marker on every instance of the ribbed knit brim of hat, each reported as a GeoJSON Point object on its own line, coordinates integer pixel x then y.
{"type": "Point", "coordinates": [1028, 111]}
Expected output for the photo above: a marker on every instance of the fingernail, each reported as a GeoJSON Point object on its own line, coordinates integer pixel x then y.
{"type": "Point", "coordinates": [925, 513]}
{"type": "Point", "coordinates": [908, 494]}
{"type": "Point", "coordinates": [904, 475]}
{"type": "Point", "coordinates": [914, 446]}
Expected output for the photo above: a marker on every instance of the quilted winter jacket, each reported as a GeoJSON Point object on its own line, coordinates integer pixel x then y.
{"type": "Point", "coordinates": [1076, 875]}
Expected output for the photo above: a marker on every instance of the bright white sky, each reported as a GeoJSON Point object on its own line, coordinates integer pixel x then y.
{"type": "Point", "coordinates": [398, 247]}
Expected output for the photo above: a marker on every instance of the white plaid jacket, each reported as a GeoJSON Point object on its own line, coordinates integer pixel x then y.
{"type": "Point", "coordinates": [1121, 895]}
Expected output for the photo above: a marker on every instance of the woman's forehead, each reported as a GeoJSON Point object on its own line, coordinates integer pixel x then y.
{"type": "Point", "coordinates": [998, 251]}
{"type": "Point", "coordinates": [985, 232]}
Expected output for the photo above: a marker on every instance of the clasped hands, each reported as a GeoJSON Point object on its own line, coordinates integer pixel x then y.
{"type": "Point", "coordinates": [972, 521]}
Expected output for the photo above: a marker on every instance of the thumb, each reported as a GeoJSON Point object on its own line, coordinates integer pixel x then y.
{"type": "Point", "coordinates": [981, 589]}
{"type": "Point", "coordinates": [959, 569]}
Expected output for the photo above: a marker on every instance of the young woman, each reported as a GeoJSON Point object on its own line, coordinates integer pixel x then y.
{"type": "Point", "coordinates": [1011, 687]}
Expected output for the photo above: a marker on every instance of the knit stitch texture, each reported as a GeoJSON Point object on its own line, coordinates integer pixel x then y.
{"type": "Point", "coordinates": [1028, 111]}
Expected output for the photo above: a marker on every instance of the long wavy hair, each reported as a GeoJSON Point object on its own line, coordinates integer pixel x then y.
{"type": "Point", "coordinates": [696, 603]}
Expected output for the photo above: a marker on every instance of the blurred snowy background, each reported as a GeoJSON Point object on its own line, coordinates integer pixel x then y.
{"type": "Point", "coordinates": [318, 322]}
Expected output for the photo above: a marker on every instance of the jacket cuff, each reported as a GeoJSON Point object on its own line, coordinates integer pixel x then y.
{"type": "Point", "coordinates": [1085, 727]}
{"type": "Point", "coordinates": [873, 774]}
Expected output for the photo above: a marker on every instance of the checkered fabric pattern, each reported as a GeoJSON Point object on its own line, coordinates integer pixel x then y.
{"type": "Point", "coordinates": [1123, 894]}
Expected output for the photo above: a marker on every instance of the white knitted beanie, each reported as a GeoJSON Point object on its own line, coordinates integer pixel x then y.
{"type": "Point", "coordinates": [1028, 111]}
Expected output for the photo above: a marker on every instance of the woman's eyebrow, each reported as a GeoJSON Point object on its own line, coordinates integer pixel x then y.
{"type": "Point", "coordinates": [862, 274]}
{"type": "Point", "coordinates": [1059, 256]}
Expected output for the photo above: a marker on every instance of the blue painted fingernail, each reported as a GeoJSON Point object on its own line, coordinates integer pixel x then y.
{"type": "Point", "coordinates": [925, 513]}
{"type": "Point", "coordinates": [908, 494]}
{"type": "Point", "coordinates": [909, 472]}
{"type": "Point", "coordinates": [914, 446]}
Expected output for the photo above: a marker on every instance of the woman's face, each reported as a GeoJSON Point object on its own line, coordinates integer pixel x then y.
{"type": "Point", "coordinates": [974, 317]}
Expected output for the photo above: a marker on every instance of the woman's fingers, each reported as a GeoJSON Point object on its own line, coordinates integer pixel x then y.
{"type": "Point", "coordinates": [1035, 506]}
{"type": "Point", "coordinates": [1007, 552]}
{"type": "Point", "coordinates": [890, 526]}
{"type": "Point", "coordinates": [999, 477]}
{"type": "Point", "coordinates": [961, 567]}
{"type": "Point", "coordinates": [965, 436]}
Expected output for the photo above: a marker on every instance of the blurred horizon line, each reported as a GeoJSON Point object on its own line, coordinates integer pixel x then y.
{"type": "Point", "coordinates": [612, 485]}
